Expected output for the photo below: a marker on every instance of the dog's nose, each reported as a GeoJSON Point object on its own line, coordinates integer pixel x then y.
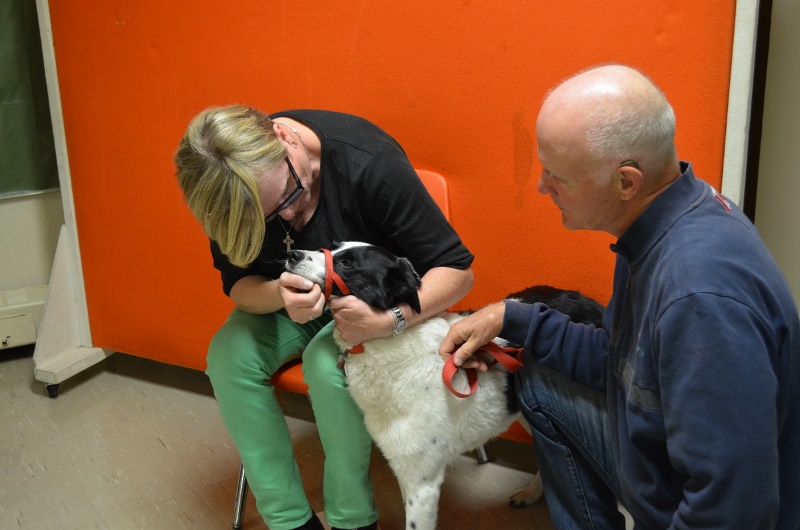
{"type": "Point", "coordinates": [295, 256]}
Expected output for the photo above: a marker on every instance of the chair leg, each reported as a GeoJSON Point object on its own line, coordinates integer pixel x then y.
{"type": "Point", "coordinates": [241, 499]}
{"type": "Point", "coordinates": [483, 458]}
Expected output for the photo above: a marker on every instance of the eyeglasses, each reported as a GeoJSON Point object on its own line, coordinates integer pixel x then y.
{"type": "Point", "coordinates": [291, 198]}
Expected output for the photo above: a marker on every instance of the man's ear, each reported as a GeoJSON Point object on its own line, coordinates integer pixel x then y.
{"type": "Point", "coordinates": [628, 181]}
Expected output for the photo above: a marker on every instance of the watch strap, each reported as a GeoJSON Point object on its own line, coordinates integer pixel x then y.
{"type": "Point", "coordinates": [399, 321]}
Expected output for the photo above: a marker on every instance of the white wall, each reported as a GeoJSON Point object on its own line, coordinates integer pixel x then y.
{"type": "Point", "coordinates": [778, 198]}
{"type": "Point", "coordinates": [29, 227]}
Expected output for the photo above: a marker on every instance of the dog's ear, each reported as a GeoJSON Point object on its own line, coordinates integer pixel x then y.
{"type": "Point", "coordinates": [402, 282]}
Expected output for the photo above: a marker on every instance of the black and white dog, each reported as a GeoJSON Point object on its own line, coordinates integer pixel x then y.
{"type": "Point", "coordinates": [419, 425]}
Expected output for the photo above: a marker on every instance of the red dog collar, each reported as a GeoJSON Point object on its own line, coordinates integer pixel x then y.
{"type": "Point", "coordinates": [331, 277]}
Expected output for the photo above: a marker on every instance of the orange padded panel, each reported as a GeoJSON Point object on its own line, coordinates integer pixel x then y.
{"type": "Point", "coordinates": [458, 84]}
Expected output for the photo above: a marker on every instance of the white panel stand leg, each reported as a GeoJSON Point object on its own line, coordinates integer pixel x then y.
{"type": "Point", "coordinates": [59, 353]}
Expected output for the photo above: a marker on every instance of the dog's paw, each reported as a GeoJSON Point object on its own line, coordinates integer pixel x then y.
{"type": "Point", "coordinates": [529, 494]}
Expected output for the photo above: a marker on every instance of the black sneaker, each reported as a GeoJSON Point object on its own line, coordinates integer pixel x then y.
{"type": "Point", "coordinates": [312, 524]}
{"type": "Point", "coordinates": [373, 526]}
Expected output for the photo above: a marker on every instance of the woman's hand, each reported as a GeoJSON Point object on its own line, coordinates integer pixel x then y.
{"type": "Point", "coordinates": [357, 322]}
{"type": "Point", "coordinates": [302, 298]}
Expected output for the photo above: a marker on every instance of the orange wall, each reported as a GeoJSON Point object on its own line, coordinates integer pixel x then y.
{"type": "Point", "coordinates": [458, 83]}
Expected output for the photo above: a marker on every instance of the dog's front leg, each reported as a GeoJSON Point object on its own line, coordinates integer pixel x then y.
{"type": "Point", "coordinates": [421, 501]}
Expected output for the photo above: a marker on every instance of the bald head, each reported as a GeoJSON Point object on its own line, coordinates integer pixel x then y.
{"type": "Point", "coordinates": [603, 85]}
{"type": "Point", "coordinates": [605, 138]}
{"type": "Point", "coordinates": [609, 115]}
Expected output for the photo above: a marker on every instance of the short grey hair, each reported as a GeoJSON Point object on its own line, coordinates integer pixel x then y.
{"type": "Point", "coordinates": [642, 133]}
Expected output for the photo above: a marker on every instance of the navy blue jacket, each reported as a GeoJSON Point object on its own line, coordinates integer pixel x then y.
{"type": "Point", "coordinates": [700, 358]}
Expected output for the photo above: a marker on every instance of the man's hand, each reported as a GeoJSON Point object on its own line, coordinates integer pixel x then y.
{"type": "Point", "coordinates": [467, 336]}
{"type": "Point", "coordinates": [302, 298]}
{"type": "Point", "coordinates": [357, 322]}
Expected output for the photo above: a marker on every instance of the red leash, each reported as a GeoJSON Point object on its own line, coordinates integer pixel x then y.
{"type": "Point", "coordinates": [509, 358]}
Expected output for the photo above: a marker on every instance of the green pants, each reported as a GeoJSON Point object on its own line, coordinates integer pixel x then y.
{"type": "Point", "coordinates": [242, 356]}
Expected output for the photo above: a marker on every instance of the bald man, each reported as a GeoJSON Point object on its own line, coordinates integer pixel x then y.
{"type": "Point", "coordinates": [685, 405]}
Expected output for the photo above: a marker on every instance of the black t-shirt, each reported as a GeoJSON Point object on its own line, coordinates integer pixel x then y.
{"type": "Point", "coordinates": [369, 192]}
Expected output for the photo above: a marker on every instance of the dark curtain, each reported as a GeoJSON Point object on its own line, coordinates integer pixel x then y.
{"type": "Point", "coordinates": [27, 153]}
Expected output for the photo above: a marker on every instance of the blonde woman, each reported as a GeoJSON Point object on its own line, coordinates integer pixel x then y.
{"type": "Point", "coordinates": [263, 186]}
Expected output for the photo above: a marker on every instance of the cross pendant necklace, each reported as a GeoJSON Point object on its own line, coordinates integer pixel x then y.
{"type": "Point", "coordinates": [288, 239]}
{"type": "Point", "coordinates": [289, 242]}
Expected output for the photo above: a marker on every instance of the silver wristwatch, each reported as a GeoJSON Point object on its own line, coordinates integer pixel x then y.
{"type": "Point", "coordinates": [399, 321]}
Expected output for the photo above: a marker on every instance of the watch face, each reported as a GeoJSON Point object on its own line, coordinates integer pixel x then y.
{"type": "Point", "coordinates": [399, 321]}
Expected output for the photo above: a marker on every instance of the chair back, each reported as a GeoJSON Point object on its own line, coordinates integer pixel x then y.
{"type": "Point", "coordinates": [437, 187]}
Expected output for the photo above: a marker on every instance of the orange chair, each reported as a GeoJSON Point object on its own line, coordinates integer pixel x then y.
{"type": "Point", "coordinates": [289, 377]}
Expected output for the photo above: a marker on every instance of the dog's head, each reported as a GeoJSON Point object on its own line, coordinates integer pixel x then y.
{"type": "Point", "coordinates": [371, 273]}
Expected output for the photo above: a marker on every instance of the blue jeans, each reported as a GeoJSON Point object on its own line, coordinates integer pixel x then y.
{"type": "Point", "coordinates": [569, 424]}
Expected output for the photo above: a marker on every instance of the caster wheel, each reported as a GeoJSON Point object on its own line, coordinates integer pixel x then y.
{"type": "Point", "coordinates": [52, 390]}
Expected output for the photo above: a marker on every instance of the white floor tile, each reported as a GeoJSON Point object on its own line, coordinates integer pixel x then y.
{"type": "Point", "coordinates": [135, 444]}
